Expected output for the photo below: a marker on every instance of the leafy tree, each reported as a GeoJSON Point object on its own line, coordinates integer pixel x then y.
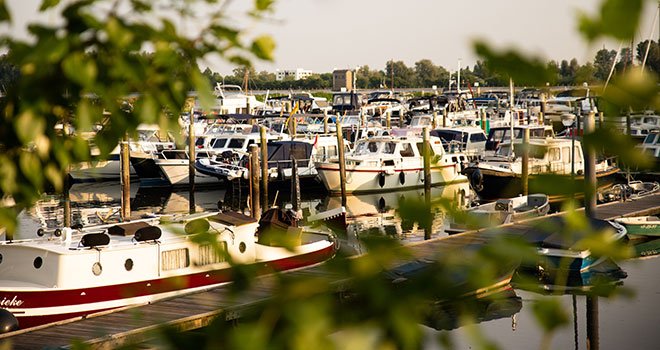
{"type": "Point", "coordinates": [96, 51]}
{"type": "Point", "coordinates": [403, 76]}
{"type": "Point", "coordinates": [653, 58]}
{"type": "Point", "coordinates": [603, 63]}
{"type": "Point", "coordinates": [428, 74]}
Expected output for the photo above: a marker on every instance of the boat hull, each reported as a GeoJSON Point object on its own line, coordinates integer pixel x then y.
{"type": "Point", "coordinates": [382, 179]}
{"type": "Point", "coordinates": [497, 184]}
{"type": "Point", "coordinates": [41, 306]}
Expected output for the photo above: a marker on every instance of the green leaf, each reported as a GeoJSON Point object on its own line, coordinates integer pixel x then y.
{"type": "Point", "coordinates": [618, 19]}
{"type": "Point", "coordinates": [46, 4]}
{"type": "Point", "coordinates": [263, 47]}
{"type": "Point", "coordinates": [511, 63]}
{"type": "Point", "coordinates": [4, 13]}
{"type": "Point", "coordinates": [263, 5]}
{"type": "Point", "coordinates": [80, 69]}
{"type": "Point", "coordinates": [202, 86]}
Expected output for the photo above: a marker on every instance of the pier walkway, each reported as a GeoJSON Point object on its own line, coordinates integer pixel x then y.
{"type": "Point", "coordinates": [193, 311]}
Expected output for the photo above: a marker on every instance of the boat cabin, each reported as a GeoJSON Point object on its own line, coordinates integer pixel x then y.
{"type": "Point", "coordinates": [496, 135]}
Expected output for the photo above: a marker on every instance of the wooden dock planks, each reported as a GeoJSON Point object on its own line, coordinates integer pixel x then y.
{"type": "Point", "coordinates": [193, 311]}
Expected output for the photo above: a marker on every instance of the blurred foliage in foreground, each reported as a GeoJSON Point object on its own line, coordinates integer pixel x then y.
{"type": "Point", "coordinates": [91, 63]}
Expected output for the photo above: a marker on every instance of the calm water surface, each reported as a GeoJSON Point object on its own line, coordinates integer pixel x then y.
{"type": "Point", "coordinates": [622, 322]}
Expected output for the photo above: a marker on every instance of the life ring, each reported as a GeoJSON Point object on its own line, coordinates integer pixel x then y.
{"type": "Point", "coordinates": [477, 180]}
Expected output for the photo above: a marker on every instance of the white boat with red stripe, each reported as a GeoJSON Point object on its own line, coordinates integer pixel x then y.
{"type": "Point", "coordinates": [392, 163]}
{"type": "Point", "coordinates": [72, 273]}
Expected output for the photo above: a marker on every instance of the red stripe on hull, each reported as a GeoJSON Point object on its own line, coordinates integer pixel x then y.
{"type": "Point", "coordinates": [55, 298]}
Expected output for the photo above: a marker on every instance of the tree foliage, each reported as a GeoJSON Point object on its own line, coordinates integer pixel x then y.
{"type": "Point", "coordinates": [83, 71]}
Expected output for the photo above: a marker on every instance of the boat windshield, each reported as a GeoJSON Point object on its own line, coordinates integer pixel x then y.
{"type": "Point", "coordinates": [219, 143]}
{"type": "Point", "coordinates": [650, 138]}
{"type": "Point", "coordinates": [374, 147]}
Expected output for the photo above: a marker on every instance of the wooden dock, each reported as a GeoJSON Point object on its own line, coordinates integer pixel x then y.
{"type": "Point", "coordinates": [193, 311]}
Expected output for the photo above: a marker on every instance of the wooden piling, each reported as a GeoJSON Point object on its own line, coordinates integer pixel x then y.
{"type": "Point", "coordinates": [444, 118]}
{"type": "Point", "coordinates": [388, 120]}
{"type": "Point", "coordinates": [525, 162]}
{"type": "Point", "coordinates": [67, 199]}
{"type": "Point", "coordinates": [125, 180]}
{"type": "Point", "coordinates": [191, 165]}
{"type": "Point", "coordinates": [434, 122]}
{"type": "Point", "coordinates": [601, 119]}
{"type": "Point", "coordinates": [589, 167]}
{"type": "Point", "coordinates": [255, 209]}
{"type": "Point", "coordinates": [342, 162]}
{"type": "Point", "coordinates": [264, 167]}
{"type": "Point", "coordinates": [326, 127]}
{"type": "Point", "coordinates": [295, 185]}
{"type": "Point", "coordinates": [482, 114]}
{"type": "Point", "coordinates": [426, 153]}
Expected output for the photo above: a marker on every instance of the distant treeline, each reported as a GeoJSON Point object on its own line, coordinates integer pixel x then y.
{"type": "Point", "coordinates": [424, 74]}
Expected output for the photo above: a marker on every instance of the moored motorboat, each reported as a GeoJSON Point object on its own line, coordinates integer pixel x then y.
{"type": "Point", "coordinates": [67, 273]}
{"type": "Point", "coordinates": [391, 163]}
{"type": "Point", "coordinates": [638, 226]}
{"type": "Point", "coordinates": [501, 176]}
{"type": "Point", "coordinates": [558, 245]}
{"type": "Point", "coordinates": [502, 211]}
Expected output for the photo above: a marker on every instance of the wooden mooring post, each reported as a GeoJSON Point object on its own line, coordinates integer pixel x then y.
{"type": "Point", "coordinates": [326, 127]}
{"type": "Point", "coordinates": [525, 162]}
{"type": "Point", "coordinates": [342, 162]}
{"type": "Point", "coordinates": [264, 167]}
{"type": "Point", "coordinates": [191, 165]}
{"type": "Point", "coordinates": [589, 167]}
{"type": "Point", "coordinates": [444, 118]}
{"type": "Point", "coordinates": [125, 180]}
{"type": "Point", "coordinates": [255, 208]}
{"type": "Point", "coordinates": [295, 186]}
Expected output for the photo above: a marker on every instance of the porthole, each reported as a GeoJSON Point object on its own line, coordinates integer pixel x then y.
{"type": "Point", "coordinates": [97, 269]}
{"type": "Point", "coordinates": [128, 265]}
{"type": "Point", "coordinates": [242, 247]}
{"type": "Point", "coordinates": [38, 261]}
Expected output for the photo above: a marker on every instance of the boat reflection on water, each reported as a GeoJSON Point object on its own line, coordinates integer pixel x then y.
{"type": "Point", "coordinates": [378, 214]}
{"type": "Point", "coordinates": [474, 309]}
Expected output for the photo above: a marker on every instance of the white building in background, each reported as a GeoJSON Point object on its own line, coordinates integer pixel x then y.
{"type": "Point", "coordinates": [295, 74]}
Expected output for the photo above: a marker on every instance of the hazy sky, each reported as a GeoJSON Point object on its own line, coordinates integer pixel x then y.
{"type": "Point", "coordinates": [321, 35]}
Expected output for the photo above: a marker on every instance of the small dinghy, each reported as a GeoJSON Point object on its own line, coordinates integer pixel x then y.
{"type": "Point", "coordinates": [647, 226]}
{"type": "Point", "coordinates": [502, 211]}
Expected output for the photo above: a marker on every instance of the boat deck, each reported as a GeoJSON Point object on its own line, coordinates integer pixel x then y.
{"type": "Point", "coordinates": [140, 324]}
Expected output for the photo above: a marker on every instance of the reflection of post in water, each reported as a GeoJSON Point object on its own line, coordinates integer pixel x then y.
{"type": "Point", "coordinates": [592, 323]}
{"type": "Point", "coordinates": [426, 153]}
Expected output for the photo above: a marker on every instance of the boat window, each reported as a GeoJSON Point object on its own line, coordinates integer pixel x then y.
{"type": "Point", "coordinates": [199, 141]}
{"type": "Point", "coordinates": [208, 254]}
{"type": "Point", "coordinates": [554, 154]}
{"type": "Point", "coordinates": [175, 259]}
{"type": "Point", "coordinates": [421, 149]}
{"type": "Point", "coordinates": [407, 150]}
{"type": "Point", "coordinates": [477, 138]}
{"type": "Point", "coordinates": [236, 143]}
{"type": "Point", "coordinates": [388, 147]}
{"type": "Point", "coordinates": [535, 151]}
{"type": "Point", "coordinates": [219, 143]}
{"type": "Point", "coordinates": [650, 138]}
{"type": "Point", "coordinates": [566, 154]}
